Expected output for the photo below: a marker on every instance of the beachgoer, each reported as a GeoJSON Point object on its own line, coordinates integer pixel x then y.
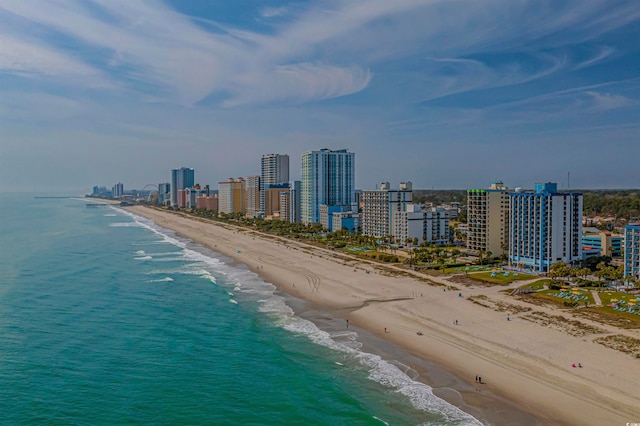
{"type": "Point", "coordinates": [508, 318]}
{"type": "Point", "coordinates": [479, 379]}
{"type": "Point", "coordinates": [573, 365]}
{"type": "Point", "coordinates": [347, 323]}
{"type": "Point", "coordinates": [579, 365]}
{"type": "Point", "coordinates": [385, 329]}
{"type": "Point", "coordinates": [476, 378]}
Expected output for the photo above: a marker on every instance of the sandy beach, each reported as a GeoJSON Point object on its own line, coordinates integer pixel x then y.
{"type": "Point", "coordinates": [526, 360]}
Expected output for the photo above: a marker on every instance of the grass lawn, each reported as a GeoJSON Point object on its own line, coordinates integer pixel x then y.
{"type": "Point", "coordinates": [499, 277]}
{"type": "Point", "coordinates": [539, 285]}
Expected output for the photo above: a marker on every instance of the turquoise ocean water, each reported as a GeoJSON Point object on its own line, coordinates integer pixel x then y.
{"type": "Point", "coordinates": [106, 318]}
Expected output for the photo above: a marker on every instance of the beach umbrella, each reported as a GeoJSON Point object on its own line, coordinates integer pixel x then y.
{"type": "Point", "coordinates": [632, 300]}
{"type": "Point", "coordinates": [614, 300]}
{"type": "Point", "coordinates": [575, 289]}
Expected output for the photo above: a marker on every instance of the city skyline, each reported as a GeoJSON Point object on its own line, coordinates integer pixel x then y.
{"type": "Point", "coordinates": [449, 96]}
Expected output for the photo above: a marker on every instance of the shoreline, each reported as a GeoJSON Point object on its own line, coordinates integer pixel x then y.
{"type": "Point", "coordinates": [523, 365]}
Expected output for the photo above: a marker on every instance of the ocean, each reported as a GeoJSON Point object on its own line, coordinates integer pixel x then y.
{"type": "Point", "coordinates": [106, 318]}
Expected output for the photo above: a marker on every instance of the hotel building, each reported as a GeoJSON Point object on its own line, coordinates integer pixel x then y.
{"type": "Point", "coordinates": [488, 219]}
{"type": "Point", "coordinates": [294, 201]}
{"type": "Point", "coordinates": [274, 171]}
{"type": "Point", "coordinates": [252, 204]}
{"type": "Point", "coordinates": [328, 177]}
{"type": "Point", "coordinates": [545, 227]}
{"type": "Point", "coordinates": [379, 208]}
{"type": "Point", "coordinates": [430, 225]}
{"type": "Point", "coordinates": [181, 178]}
{"type": "Point", "coordinates": [632, 251]}
{"type": "Point", "coordinates": [231, 196]}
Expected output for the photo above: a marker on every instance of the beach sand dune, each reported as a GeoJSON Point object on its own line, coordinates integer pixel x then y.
{"type": "Point", "coordinates": [522, 360]}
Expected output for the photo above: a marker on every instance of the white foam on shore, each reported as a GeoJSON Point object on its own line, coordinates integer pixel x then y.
{"type": "Point", "coordinates": [143, 258]}
{"type": "Point", "coordinates": [245, 282]}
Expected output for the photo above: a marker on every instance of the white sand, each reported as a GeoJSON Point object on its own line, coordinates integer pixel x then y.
{"type": "Point", "coordinates": [525, 362]}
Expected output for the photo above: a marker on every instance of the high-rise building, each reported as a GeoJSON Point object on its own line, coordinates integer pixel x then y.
{"type": "Point", "coordinates": [181, 178]}
{"type": "Point", "coordinates": [379, 207]}
{"type": "Point", "coordinates": [294, 201]}
{"type": "Point", "coordinates": [632, 251]}
{"type": "Point", "coordinates": [488, 219]}
{"type": "Point", "coordinates": [164, 192]}
{"type": "Point", "coordinates": [545, 227]}
{"type": "Point", "coordinates": [118, 190]}
{"type": "Point", "coordinates": [415, 226]}
{"type": "Point", "coordinates": [272, 200]}
{"type": "Point", "coordinates": [231, 196]}
{"type": "Point", "coordinates": [274, 171]}
{"type": "Point", "coordinates": [328, 177]}
{"type": "Point", "coordinates": [253, 197]}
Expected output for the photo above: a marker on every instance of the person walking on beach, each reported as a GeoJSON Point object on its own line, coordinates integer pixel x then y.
{"type": "Point", "coordinates": [347, 323]}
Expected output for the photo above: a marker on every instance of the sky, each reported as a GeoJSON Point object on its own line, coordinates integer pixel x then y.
{"type": "Point", "coordinates": [447, 94]}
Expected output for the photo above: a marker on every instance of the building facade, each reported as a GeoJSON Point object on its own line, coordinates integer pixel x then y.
{"type": "Point", "coordinates": [379, 208]}
{"type": "Point", "coordinates": [274, 170]}
{"type": "Point", "coordinates": [252, 204]}
{"type": "Point", "coordinates": [272, 200]}
{"type": "Point", "coordinates": [415, 226]}
{"type": "Point", "coordinates": [294, 201]}
{"type": "Point", "coordinates": [488, 219]}
{"type": "Point", "coordinates": [181, 178]}
{"type": "Point", "coordinates": [328, 177]}
{"type": "Point", "coordinates": [118, 190]}
{"type": "Point", "coordinates": [231, 196]}
{"type": "Point", "coordinates": [632, 251]}
{"type": "Point", "coordinates": [545, 227]}
{"type": "Point", "coordinates": [603, 241]}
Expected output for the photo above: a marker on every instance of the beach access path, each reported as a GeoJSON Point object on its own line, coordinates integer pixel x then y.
{"type": "Point", "coordinates": [526, 358]}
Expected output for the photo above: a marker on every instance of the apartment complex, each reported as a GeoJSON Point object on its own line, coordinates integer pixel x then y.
{"type": "Point", "coordinates": [603, 242]}
{"type": "Point", "coordinates": [415, 226]}
{"type": "Point", "coordinates": [379, 208]}
{"type": "Point", "coordinates": [545, 227]}
{"type": "Point", "coordinates": [632, 251]}
{"type": "Point", "coordinates": [294, 201]}
{"type": "Point", "coordinates": [252, 204]}
{"type": "Point", "coordinates": [232, 196]}
{"type": "Point", "coordinates": [328, 177]}
{"type": "Point", "coordinates": [181, 178]}
{"type": "Point", "coordinates": [488, 219]}
{"type": "Point", "coordinates": [274, 171]}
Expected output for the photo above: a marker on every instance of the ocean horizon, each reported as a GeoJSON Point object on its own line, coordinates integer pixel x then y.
{"type": "Point", "coordinates": [107, 318]}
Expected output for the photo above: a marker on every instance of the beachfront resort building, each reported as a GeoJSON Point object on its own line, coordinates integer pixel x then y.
{"type": "Point", "coordinates": [231, 196]}
{"type": "Point", "coordinates": [273, 200]}
{"type": "Point", "coordinates": [632, 251]}
{"type": "Point", "coordinates": [415, 225]}
{"type": "Point", "coordinates": [294, 201]}
{"type": "Point", "coordinates": [118, 190]}
{"type": "Point", "coordinates": [164, 193]}
{"type": "Point", "coordinates": [328, 177]}
{"type": "Point", "coordinates": [488, 219]}
{"type": "Point", "coordinates": [252, 204]}
{"type": "Point", "coordinates": [604, 242]}
{"type": "Point", "coordinates": [545, 227]}
{"type": "Point", "coordinates": [181, 178]}
{"type": "Point", "coordinates": [274, 171]}
{"type": "Point", "coordinates": [379, 207]}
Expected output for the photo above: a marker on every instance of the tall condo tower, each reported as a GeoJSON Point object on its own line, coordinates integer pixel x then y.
{"type": "Point", "coordinates": [181, 178]}
{"type": "Point", "coordinates": [632, 251]}
{"type": "Point", "coordinates": [545, 227]}
{"type": "Point", "coordinates": [274, 171]}
{"type": "Point", "coordinates": [328, 177]}
{"type": "Point", "coordinates": [488, 219]}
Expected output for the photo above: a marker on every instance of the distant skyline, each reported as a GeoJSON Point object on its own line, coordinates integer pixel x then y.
{"type": "Point", "coordinates": [446, 94]}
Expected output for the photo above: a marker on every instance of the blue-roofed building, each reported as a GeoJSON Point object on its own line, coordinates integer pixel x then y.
{"type": "Point", "coordinates": [545, 227]}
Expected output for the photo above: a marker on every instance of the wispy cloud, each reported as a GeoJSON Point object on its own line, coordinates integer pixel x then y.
{"type": "Point", "coordinates": [607, 101]}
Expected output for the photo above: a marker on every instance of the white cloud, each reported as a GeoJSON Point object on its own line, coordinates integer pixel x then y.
{"type": "Point", "coordinates": [607, 101]}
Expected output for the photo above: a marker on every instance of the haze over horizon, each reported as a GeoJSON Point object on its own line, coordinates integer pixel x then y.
{"type": "Point", "coordinates": [446, 94]}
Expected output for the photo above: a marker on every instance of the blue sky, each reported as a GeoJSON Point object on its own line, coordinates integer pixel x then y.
{"type": "Point", "coordinates": [447, 94]}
